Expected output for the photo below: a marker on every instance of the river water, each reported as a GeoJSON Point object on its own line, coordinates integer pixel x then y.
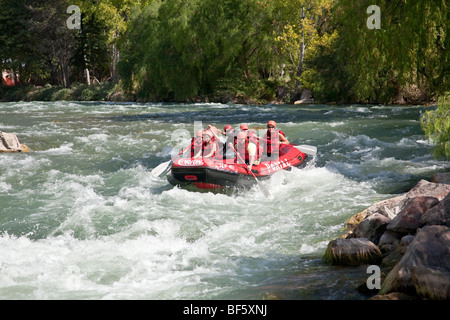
{"type": "Point", "coordinates": [81, 216]}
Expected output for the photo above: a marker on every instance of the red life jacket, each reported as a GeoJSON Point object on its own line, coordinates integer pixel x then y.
{"type": "Point", "coordinates": [243, 149]}
{"type": "Point", "coordinates": [272, 143]}
{"type": "Point", "coordinates": [206, 148]}
{"type": "Point", "coordinates": [196, 145]}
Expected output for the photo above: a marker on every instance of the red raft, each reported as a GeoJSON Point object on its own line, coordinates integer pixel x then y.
{"type": "Point", "coordinates": [209, 173]}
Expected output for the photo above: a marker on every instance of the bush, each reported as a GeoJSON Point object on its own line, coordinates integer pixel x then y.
{"type": "Point", "coordinates": [436, 125]}
{"type": "Point", "coordinates": [87, 95]}
{"type": "Point", "coordinates": [63, 94]}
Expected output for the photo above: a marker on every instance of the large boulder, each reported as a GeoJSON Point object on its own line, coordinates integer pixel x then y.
{"type": "Point", "coordinates": [429, 189]}
{"type": "Point", "coordinates": [391, 207]}
{"type": "Point", "coordinates": [10, 143]}
{"type": "Point", "coordinates": [424, 270]}
{"type": "Point", "coordinates": [441, 177]}
{"type": "Point", "coordinates": [352, 252]}
{"type": "Point", "coordinates": [409, 219]}
{"type": "Point", "coordinates": [372, 227]}
{"type": "Point", "coordinates": [439, 214]}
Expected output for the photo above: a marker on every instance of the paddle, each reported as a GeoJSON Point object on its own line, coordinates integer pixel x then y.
{"type": "Point", "coordinates": [310, 150]}
{"type": "Point", "coordinates": [263, 189]}
{"type": "Point", "coordinates": [163, 167]}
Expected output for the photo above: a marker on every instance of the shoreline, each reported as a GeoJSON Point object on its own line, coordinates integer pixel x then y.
{"type": "Point", "coordinates": [110, 92]}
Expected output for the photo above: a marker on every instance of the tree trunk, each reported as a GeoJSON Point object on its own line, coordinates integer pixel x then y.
{"type": "Point", "coordinates": [302, 55]}
{"type": "Point", "coordinates": [114, 61]}
{"type": "Point", "coordinates": [88, 78]}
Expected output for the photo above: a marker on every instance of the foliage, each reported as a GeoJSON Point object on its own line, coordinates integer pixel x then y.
{"type": "Point", "coordinates": [179, 49]}
{"type": "Point", "coordinates": [410, 49]}
{"type": "Point", "coordinates": [300, 30]}
{"type": "Point", "coordinates": [436, 125]}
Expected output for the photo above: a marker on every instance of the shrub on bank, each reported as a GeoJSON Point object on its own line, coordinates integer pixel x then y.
{"type": "Point", "coordinates": [76, 92]}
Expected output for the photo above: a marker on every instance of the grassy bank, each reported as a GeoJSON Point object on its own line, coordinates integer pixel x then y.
{"type": "Point", "coordinates": [228, 91]}
{"type": "Point", "coordinates": [256, 92]}
{"type": "Point", "coordinates": [76, 92]}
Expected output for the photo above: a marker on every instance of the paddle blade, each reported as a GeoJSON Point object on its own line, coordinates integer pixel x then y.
{"type": "Point", "coordinates": [310, 150]}
{"type": "Point", "coordinates": [263, 189]}
{"type": "Point", "coordinates": [160, 169]}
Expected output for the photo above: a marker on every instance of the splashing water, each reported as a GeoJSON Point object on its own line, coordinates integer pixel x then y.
{"type": "Point", "coordinates": [81, 217]}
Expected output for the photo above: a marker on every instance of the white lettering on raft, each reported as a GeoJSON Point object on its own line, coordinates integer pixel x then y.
{"type": "Point", "coordinates": [190, 162]}
{"type": "Point", "coordinates": [281, 164]}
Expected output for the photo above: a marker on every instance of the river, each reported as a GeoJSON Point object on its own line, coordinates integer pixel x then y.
{"type": "Point", "coordinates": [81, 216]}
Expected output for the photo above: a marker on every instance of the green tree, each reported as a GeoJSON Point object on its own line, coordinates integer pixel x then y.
{"type": "Point", "coordinates": [177, 49]}
{"type": "Point", "coordinates": [18, 45]}
{"type": "Point", "coordinates": [55, 46]}
{"type": "Point", "coordinates": [302, 28]}
{"type": "Point", "coordinates": [409, 51]}
{"type": "Point", "coordinates": [436, 125]}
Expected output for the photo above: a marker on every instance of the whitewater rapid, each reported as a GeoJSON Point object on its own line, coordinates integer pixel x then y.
{"type": "Point", "coordinates": [81, 216]}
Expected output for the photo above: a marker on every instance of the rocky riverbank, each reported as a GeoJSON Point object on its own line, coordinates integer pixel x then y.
{"type": "Point", "coordinates": [408, 237]}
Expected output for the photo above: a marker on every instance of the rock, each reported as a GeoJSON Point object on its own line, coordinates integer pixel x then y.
{"type": "Point", "coordinates": [389, 240]}
{"type": "Point", "coordinates": [393, 296]}
{"type": "Point", "coordinates": [304, 101]}
{"type": "Point", "coordinates": [431, 283]}
{"type": "Point", "coordinates": [439, 214]}
{"type": "Point", "coordinates": [425, 263]}
{"type": "Point", "coordinates": [392, 258]}
{"type": "Point", "coordinates": [372, 227]}
{"type": "Point", "coordinates": [429, 189]}
{"type": "Point", "coordinates": [10, 143]}
{"type": "Point", "coordinates": [409, 219]}
{"type": "Point", "coordinates": [388, 208]}
{"type": "Point", "coordinates": [441, 177]}
{"type": "Point", "coordinates": [412, 231]}
{"type": "Point", "coordinates": [354, 220]}
{"type": "Point", "coordinates": [405, 242]}
{"type": "Point", "coordinates": [352, 252]}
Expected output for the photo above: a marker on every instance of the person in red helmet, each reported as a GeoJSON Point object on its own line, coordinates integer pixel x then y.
{"type": "Point", "coordinates": [216, 138]}
{"type": "Point", "coordinates": [195, 148]}
{"type": "Point", "coordinates": [243, 127]}
{"type": "Point", "coordinates": [196, 143]}
{"type": "Point", "coordinates": [210, 148]}
{"type": "Point", "coordinates": [230, 136]}
{"type": "Point", "coordinates": [272, 141]}
{"type": "Point", "coordinates": [247, 148]}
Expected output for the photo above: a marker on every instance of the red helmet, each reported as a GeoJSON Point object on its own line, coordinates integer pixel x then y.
{"type": "Point", "coordinates": [209, 133]}
{"type": "Point", "coordinates": [244, 126]}
{"type": "Point", "coordinates": [227, 127]}
{"type": "Point", "coordinates": [272, 123]}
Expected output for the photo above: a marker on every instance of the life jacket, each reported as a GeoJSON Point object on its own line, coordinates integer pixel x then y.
{"type": "Point", "coordinates": [242, 149]}
{"type": "Point", "coordinates": [196, 145]}
{"type": "Point", "coordinates": [207, 147]}
{"type": "Point", "coordinates": [272, 143]}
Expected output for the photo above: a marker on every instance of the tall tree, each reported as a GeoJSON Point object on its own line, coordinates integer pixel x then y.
{"type": "Point", "coordinates": [301, 28]}
{"type": "Point", "coordinates": [17, 44]}
{"type": "Point", "coordinates": [56, 43]}
{"type": "Point", "coordinates": [179, 49]}
{"type": "Point", "coordinates": [410, 50]}
{"type": "Point", "coordinates": [436, 125]}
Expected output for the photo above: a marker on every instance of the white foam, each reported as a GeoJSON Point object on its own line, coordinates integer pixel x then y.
{"type": "Point", "coordinates": [63, 149]}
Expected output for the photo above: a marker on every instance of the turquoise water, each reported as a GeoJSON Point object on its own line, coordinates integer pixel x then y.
{"type": "Point", "coordinates": [81, 216]}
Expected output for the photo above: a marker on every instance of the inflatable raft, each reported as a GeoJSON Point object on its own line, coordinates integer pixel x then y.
{"type": "Point", "coordinates": [209, 173]}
